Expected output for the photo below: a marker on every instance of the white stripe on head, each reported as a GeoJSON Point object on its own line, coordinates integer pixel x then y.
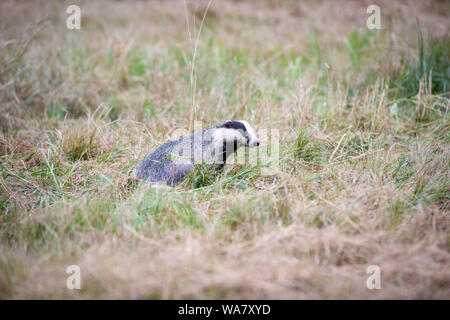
{"type": "Point", "coordinates": [221, 134]}
{"type": "Point", "coordinates": [227, 135]}
{"type": "Point", "coordinates": [254, 141]}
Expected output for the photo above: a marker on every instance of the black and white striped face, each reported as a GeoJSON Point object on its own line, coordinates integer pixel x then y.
{"type": "Point", "coordinates": [240, 131]}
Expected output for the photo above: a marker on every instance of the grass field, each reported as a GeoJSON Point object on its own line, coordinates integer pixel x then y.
{"type": "Point", "coordinates": [363, 168]}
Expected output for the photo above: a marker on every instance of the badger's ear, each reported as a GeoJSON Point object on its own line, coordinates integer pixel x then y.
{"type": "Point", "coordinates": [228, 124]}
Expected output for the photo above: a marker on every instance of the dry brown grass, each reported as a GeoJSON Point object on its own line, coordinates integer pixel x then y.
{"type": "Point", "coordinates": [364, 154]}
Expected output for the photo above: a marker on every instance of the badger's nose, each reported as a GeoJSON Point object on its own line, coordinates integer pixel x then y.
{"type": "Point", "coordinates": [257, 143]}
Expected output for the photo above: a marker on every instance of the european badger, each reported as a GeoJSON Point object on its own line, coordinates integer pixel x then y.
{"type": "Point", "coordinates": [170, 162]}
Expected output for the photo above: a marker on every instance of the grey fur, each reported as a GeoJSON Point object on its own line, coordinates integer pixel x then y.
{"type": "Point", "coordinates": [170, 162]}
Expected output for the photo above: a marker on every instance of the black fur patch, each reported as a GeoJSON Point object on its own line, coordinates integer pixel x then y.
{"type": "Point", "coordinates": [228, 148]}
{"type": "Point", "coordinates": [232, 124]}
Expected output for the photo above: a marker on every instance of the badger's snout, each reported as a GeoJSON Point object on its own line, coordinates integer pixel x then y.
{"type": "Point", "coordinates": [253, 143]}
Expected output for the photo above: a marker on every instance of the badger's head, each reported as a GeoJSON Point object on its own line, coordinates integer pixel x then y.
{"type": "Point", "coordinates": [239, 131]}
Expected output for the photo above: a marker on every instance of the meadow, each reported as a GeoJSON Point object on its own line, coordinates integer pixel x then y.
{"type": "Point", "coordinates": [363, 166]}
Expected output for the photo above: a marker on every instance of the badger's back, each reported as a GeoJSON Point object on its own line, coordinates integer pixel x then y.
{"type": "Point", "coordinates": [171, 161]}
{"type": "Point", "coordinates": [159, 166]}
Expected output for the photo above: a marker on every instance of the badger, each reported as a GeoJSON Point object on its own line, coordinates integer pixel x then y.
{"type": "Point", "coordinates": [173, 160]}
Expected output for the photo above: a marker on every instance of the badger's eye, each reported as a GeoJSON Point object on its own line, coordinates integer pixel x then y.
{"type": "Point", "coordinates": [247, 139]}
